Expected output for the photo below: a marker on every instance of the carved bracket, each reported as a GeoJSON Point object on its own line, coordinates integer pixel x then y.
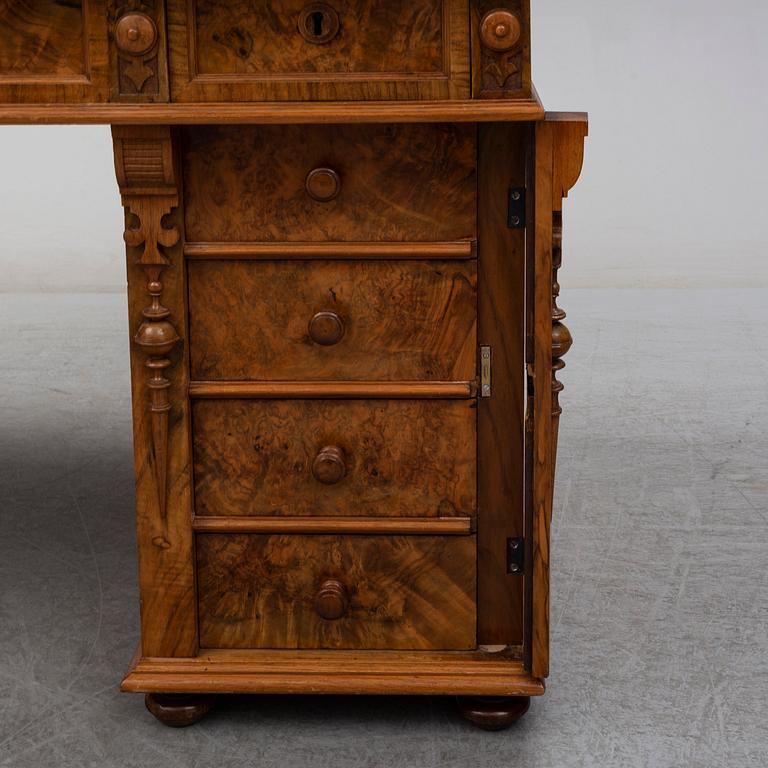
{"type": "Point", "coordinates": [149, 232]}
{"type": "Point", "coordinates": [568, 155]}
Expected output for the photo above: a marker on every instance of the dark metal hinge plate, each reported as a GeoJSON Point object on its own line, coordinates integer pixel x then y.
{"type": "Point", "coordinates": [516, 557]}
{"type": "Point", "coordinates": [516, 208]}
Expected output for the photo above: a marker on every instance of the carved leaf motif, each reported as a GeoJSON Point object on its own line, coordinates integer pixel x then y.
{"type": "Point", "coordinates": [138, 73]}
{"type": "Point", "coordinates": [502, 69]}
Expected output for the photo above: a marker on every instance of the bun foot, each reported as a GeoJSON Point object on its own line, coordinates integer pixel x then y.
{"type": "Point", "coordinates": [493, 713]}
{"type": "Point", "coordinates": [179, 710]}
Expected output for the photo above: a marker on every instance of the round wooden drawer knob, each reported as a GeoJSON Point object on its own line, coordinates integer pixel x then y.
{"type": "Point", "coordinates": [331, 601]}
{"type": "Point", "coordinates": [330, 466]}
{"type": "Point", "coordinates": [500, 30]}
{"type": "Point", "coordinates": [135, 33]}
{"type": "Point", "coordinates": [326, 329]}
{"type": "Point", "coordinates": [323, 184]}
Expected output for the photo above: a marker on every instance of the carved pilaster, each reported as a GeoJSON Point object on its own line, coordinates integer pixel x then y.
{"type": "Point", "coordinates": [561, 336]}
{"type": "Point", "coordinates": [501, 49]}
{"type": "Point", "coordinates": [137, 50]}
{"type": "Point", "coordinates": [145, 172]}
{"type": "Point", "coordinates": [157, 337]}
{"type": "Point", "coordinates": [146, 168]}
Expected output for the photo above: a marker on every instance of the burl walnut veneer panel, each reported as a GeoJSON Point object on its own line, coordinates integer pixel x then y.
{"type": "Point", "coordinates": [373, 36]}
{"type": "Point", "coordinates": [396, 182]}
{"type": "Point", "coordinates": [296, 49]}
{"type": "Point", "coordinates": [400, 320]}
{"type": "Point", "coordinates": [53, 51]}
{"type": "Point", "coordinates": [353, 592]}
{"type": "Point", "coordinates": [44, 37]}
{"type": "Point", "coordinates": [335, 458]}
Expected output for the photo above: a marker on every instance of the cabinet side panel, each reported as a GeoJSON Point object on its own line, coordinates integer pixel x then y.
{"type": "Point", "coordinates": [501, 319]}
{"type": "Point", "coordinates": [541, 469]}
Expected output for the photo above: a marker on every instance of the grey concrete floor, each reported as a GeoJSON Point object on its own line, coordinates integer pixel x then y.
{"type": "Point", "coordinates": [660, 586]}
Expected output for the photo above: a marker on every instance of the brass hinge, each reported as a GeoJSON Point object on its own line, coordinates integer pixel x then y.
{"type": "Point", "coordinates": [485, 371]}
{"type": "Point", "coordinates": [516, 208]}
{"type": "Point", "coordinates": [516, 557]}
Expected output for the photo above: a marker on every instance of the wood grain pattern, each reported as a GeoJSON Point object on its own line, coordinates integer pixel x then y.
{"type": "Point", "coordinates": [274, 113]}
{"type": "Point", "coordinates": [418, 390]}
{"type": "Point", "coordinates": [468, 673]}
{"type": "Point", "coordinates": [404, 320]}
{"type": "Point", "coordinates": [441, 526]}
{"type": "Point", "coordinates": [160, 405]}
{"type": "Point", "coordinates": [53, 52]}
{"type": "Point", "coordinates": [541, 371]}
{"type": "Point", "coordinates": [461, 249]}
{"type": "Point", "coordinates": [242, 37]}
{"type": "Point", "coordinates": [405, 592]}
{"type": "Point", "coordinates": [402, 458]}
{"type": "Point", "coordinates": [399, 183]}
{"type": "Point", "coordinates": [501, 318]}
{"type": "Point", "coordinates": [45, 37]}
{"type": "Point", "coordinates": [384, 49]}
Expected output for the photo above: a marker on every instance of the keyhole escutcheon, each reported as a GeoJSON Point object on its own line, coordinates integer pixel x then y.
{"type": "Point", "coordinates": [318, 23]}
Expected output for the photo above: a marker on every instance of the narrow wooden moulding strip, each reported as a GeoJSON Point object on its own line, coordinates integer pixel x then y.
{"type": "Point", "coordinates": [462, 249]}
{"type": "Point", "coordinates": [222, 390]}
{"type": "Point", "coordinates": [274, 113]}
{"type": "Point", "coordinates": [370, 672]}
{"type": "Point", "coordinates": [437, 526]}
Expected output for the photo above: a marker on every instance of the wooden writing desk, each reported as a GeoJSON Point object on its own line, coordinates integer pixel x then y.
{"type": "Point", "coordinates": [343, 230]}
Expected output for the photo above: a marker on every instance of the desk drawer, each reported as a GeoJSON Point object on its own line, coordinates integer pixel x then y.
{"type": "Point", "coordinates": [333, 320]}
{"type": "Point", "coordinates": [335, 458]}
{"type": "Point", "coordinates": [330, 183]}
{"type": "Point", "coordinates": [354, 592]}
{"type": "Point", "coordinates": [237, 50]}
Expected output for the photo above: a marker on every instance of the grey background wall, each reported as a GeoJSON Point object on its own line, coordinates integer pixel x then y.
{"type": "Point", "coordinates": [675, 176]}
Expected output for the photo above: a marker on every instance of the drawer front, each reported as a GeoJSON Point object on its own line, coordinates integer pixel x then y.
{"type": "Point", "coordinates": [293, 320]}
{"type": "Point", "coordinates": [374, 458]}
{"type": "Point", "coordinates": [53, 51]}
{"type": "Point", "coordinates": [330, 183]}
{"type": "Point", "coordinates": [354, 592]}
{"type": "Point", "coordinates": [334, 49]}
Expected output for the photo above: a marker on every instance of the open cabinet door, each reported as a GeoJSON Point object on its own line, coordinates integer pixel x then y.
{"type": "Point", "coordinates": [559, 151]}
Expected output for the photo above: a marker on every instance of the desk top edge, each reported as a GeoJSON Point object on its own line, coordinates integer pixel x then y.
{"type": "Point", "coordinates": [276, 113]}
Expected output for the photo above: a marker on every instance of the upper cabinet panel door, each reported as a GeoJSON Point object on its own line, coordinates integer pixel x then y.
{"type": "Point", "coordinates": [53, 51]}
{"type": "Point", "coordinates": [272, 50]}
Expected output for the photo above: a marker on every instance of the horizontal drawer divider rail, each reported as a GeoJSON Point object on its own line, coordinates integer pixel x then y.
{"type": "Point", "coordinates": [461, 249]}
{"type": "Point", "coordinates": [437, 526]}
{"type": "Point", "coordinates": [223, 390]}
